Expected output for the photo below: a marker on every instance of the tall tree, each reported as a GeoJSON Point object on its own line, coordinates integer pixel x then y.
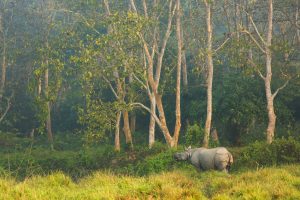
{"type": "Point", "coordinates": [268, 78]}
{"type": "Point", "coordinates": [6, 39]}
{"type": "Point", "coordinates": [121, 85]}
{"type": "Point", "coordinates": [210, 71]}
{"type": "Point", "coordinates": [265, 46]}
{"type": "Point", "coordinates": [153, 90]}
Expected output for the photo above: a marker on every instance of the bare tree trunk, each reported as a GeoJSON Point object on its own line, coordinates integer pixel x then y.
{"type": "Point", "coordinates": [237, 18]}
{"type": "Point", "coordinates": [152, 122]}
{"type": "Point", "coordinates": [132, 122]}
{"type": "Point", "coordinates": [39, 92]}
{"type": "Point", "coordinates": [117, 132]}
{"type": "Point", "coordinates": [132, 114]}
{"type": "Point", "coordinates": [297, 23]}
{"type": "Point", "coordinates": [215, 136]}
{"type": "Point", "coordinates": [228, 19]}
{"type": "Point", "coordinates": [39, 89]}
{"type": "Point", "coordinates": [164, 127]}
{"type": "Point", "coordinates": [127, 131]}
{"type": "Point", "coordinates": [268, 78]}
{"type": "Point", "coordinates": [209, 74]}
{"type": "Point", "coordinates": [8, 106]}
{"type": "Point", "coordinates": [249, 27]}
{"type": "Point", "coordinates": [31, 134]}
{"type": "Point", "coordinates": [184, 66]}
{"type": "Point", "coordinates": [178, 81]}
{"type": "Point", "coordinates": [48, 120]}
{"type": "Point", "coordinates": [3, 70]}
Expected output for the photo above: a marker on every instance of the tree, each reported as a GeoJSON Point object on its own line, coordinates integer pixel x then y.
{"type": "Point", "coordinates": [49, 62]}
{"type": "Point", "coordinates": [210, 71]}
{"type": "Point", "coordinates": [265, 46]}
{"type": "Point", "coordinates": [153, 83]}
{"type": "Point", "coordinates": [7, 40]}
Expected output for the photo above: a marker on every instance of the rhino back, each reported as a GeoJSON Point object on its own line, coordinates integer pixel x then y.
{"type": "Point", "coordinates": [206, 158]}
{"type": "Point", "coordinates": [195, 157]}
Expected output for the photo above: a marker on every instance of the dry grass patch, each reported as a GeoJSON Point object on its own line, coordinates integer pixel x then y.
{"type": "Point", "coordinates": [269, 183]}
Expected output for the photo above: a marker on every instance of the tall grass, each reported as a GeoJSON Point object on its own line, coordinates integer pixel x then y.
{"type": "Point", "coordinates": [97, 172]}
{"type": "Point", "coordinates": [264, 184]}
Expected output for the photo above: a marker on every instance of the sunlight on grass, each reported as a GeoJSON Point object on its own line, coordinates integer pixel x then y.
{"type": "Point", "coordinates": [270, 183]}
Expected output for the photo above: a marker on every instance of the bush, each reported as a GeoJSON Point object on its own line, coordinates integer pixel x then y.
{"type": "Point", "coordinates": [194, 135]}
{"type": "Point", "coordinates": [260, 154]}
{"type": "Point", "coordinates": [150, 161]}
{"type": "Point", "coordinates": [157, 163]}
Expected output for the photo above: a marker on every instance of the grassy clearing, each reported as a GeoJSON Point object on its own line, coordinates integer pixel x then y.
{"type": "Point", "coordinates": [96, 172]}
{"type": "Point", "coordinates": [269, 183]}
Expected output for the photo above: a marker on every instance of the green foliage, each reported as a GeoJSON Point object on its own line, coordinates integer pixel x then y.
{"type": "Point", "coordinates": [89, 52]}
{"type": "Point", "coordinates": [99, 119]}
{"type": "Point", "coordinates": [260, 154]}
{"type": "Point", "coordinates": [157, 163]}
{"type": "Point", "coordinates": [69, 172]}
{"type": "Point", "coordinates": [194, 135]}
{"type": "Point", "coordinates": [22, 159]}
{"type": "Point", "coordinates": [107, 61]}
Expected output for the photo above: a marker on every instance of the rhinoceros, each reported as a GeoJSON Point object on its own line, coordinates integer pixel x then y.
{"type": "Point", "coordinates": [205, 159]}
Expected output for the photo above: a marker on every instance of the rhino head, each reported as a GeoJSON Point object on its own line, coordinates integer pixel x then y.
{"type": "Point", "coordinates": [183, 155]}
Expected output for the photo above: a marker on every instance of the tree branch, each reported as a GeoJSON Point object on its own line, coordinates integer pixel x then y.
{"type": "Point", "coordinates": [133, 5]}
{"type": "Point", "coordinates": [111, 87]}
{"type": "Point", "coordinates": [150, 62]}
{"type": "Point", "coordinates": [255, 41]}
{"type": "Point", "coordinates": [222, 45]}
{"type": "Point", "coordinates": [145, 8]}
{"type": "Point", "coordinates": [80, 16]}
{"type": "Point", "coordinates": [7, 108]}
{"type": "Point", "coordinates": [257, 69]}
{"type": "Point", "coordinates": [164, 42]}
{"type": "Point", "coordinates": [282, 87]}
{"type": "Point", "coordinates": [149, 110]}
{"type": "Point", "coordinates": [139, 80]}
{"type": "Point", "coordinates": [256, 30]}
{"type": "Point", "coordinates": [255, 27]}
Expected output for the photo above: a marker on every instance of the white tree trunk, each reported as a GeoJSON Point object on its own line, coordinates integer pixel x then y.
{"type": "Point", "coordinates": [268, 78]}
{"type": "Point", "coordinates": [128, 136]}
{"type": "Point", "coordinates": [152, 122]}
{"type": "Point", "coordinates": [117, 132]}
{"type": "Point", "coordinates": [48, 120]}
{"type": "Point", "coordinates": [178, 81]}
{"type": "Point", "coordinates": [210, 71]}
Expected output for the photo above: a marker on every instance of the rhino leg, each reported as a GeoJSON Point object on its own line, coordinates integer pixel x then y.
{"type": "Point", "coordinates": [228, 168]}
{"type": "Point", "coordinates": [225, 170]}
{"type": "Point", "coordinates": [221, 162]}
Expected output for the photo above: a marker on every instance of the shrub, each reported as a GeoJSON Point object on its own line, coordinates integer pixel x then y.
{"type": "Point", "coordinates": [151, 163]}
{"type": "Point", "coordinates": [194, 135]}
{"type": "Point", "coordinates": [156, 163]}
{"type": "Point", "coordinates": [260, 154]}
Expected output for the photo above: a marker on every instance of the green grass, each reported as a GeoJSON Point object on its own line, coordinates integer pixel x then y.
{"type": "Point", "coordinates": [32, 171]}
{"type": "Point", "coordinates": [269, 183]}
